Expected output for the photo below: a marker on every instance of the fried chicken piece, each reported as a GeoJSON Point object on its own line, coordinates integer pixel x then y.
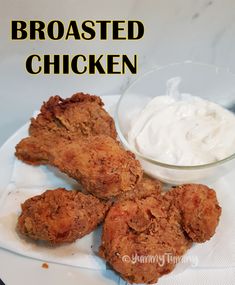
{"type": "Point", "coordinates": [78, 136]}
{"type": "Point", "coordinates": [141, 236]}
{"type": "Point", "coordinates": [144, 188]}
{"type": "Point", "coordinates": [70, 119]}
{"type": "Point", "coordinates": [79, 116]}
{"type": "Point", "coordinates": [199, 209]}
{"type": "Point", "coordinates": [36, 151]}
{"type": "Point", "coordinates": [60, 216]}
{"type": "Point", "coordinates": [99, 163]}
{"type": "Point", "coordinates": [146, 232]}
{"type": "Point", "coordinates": [149, 185]}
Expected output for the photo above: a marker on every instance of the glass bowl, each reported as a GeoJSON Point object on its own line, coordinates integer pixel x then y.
{"type": "Point", "coordinates": [206, 81]}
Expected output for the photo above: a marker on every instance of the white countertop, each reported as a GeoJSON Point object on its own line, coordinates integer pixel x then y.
{"type": "Point", "coordinates": [174, 31]}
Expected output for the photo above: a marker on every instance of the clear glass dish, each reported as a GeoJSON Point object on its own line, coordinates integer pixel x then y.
{"type": "Point", "coordinates": [206, 81]}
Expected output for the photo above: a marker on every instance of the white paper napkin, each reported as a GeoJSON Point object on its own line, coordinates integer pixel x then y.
{"type": "Point", "coordinates": [195, 277]}
{"type": "Point", "coordinates": [200, 277]}
{"type": "Point", "coordinates": [25, 175]}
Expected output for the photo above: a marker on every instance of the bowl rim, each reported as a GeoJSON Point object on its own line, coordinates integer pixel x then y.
{"type": "Point", "coordinates": [149, 158]}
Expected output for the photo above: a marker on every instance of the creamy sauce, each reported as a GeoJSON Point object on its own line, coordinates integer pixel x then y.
{"type": "Point", "coordinates": [182, 129]}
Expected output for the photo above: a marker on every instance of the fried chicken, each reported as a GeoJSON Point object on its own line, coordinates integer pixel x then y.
{"type": "Point", "coordinates": [145, 234]}
{"type": "Point", "coordinates": [36, 150]}
{"type": "Point", "coordinates": [60, 119]}
{"type": "Point", "coordinates": [78, 136]}
{"type": "Point", "coordinates": [139, 236]}
{"type": "Point", "coordinates": [149, 184]}
{"type": "Point", "coordinates": [60, 216]}
{"type": "Point", "coordinates": [144, 188]}
{"type": "Point", "coordinates": [79, 116]}
{"type": "Point", "coordinates": [99, 163]}
{"type": "Point", "coordinates": [199, 209]}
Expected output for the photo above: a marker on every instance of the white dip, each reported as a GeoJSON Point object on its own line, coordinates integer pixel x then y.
{"type": "Point", "coordinates": [182, 129]}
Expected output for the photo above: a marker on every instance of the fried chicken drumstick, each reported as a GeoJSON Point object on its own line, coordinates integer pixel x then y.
{"type": "Point", "coordinates": [59, 216]}
{"type": "Point", "coordinates": [68, 119]}
{"type": "Point", "coordinates": [78, 137]}
{"type": "Point", "coordinates": [99, 163]}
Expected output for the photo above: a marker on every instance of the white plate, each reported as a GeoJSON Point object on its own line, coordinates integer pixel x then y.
{"type": "Point", "coordinates": [17, 269]}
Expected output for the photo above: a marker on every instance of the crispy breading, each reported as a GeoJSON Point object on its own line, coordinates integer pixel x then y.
{"type": "Point", "coordinates": [142, 237]}
{"type": "Point", "coordinates": [150, 185]}
{"type": "Point", "coordinates": [144, 188]}
{"type": "Point", "coordinates": [145, 233]}
{"type": "Point", "coordinates": [79, 116]}
{"type": "Point", "coordinates": [73, 118]}
{"type": "Point", "coordinates": [99, 163]}
{"type": "Point", "coordinates": [60, 216]}
{"type": "Point", "coordinates": [78, 136]}
{"type": "Point", "coordinates": [35, 151]}
{"type": "Point", "coordinates": [199, 209]}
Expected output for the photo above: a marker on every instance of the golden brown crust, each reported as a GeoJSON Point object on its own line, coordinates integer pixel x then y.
{"type": "Point", "coordinates": [78, 136]}
{"type": "Point", "coordinates": [99, 163]}
{"type": "Point", "coordinates": [149, 185]}
{"type": "Point", "coordinates": [59, 216]}
{"type": "Point", "coordinates": [34, 151]}
{"type": "Point", "coordinates": [146, 186]}
{"type": "Point", "coordinates": [79, 116]}
{"type": "Point", "coordinates": [199, 209]}
{"type": "Point", "coordinates": [145, 233]}
{"type": "Point", "coordinates": [142, 236]}
{"type": "Point", "coordinates": [60, 119]}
